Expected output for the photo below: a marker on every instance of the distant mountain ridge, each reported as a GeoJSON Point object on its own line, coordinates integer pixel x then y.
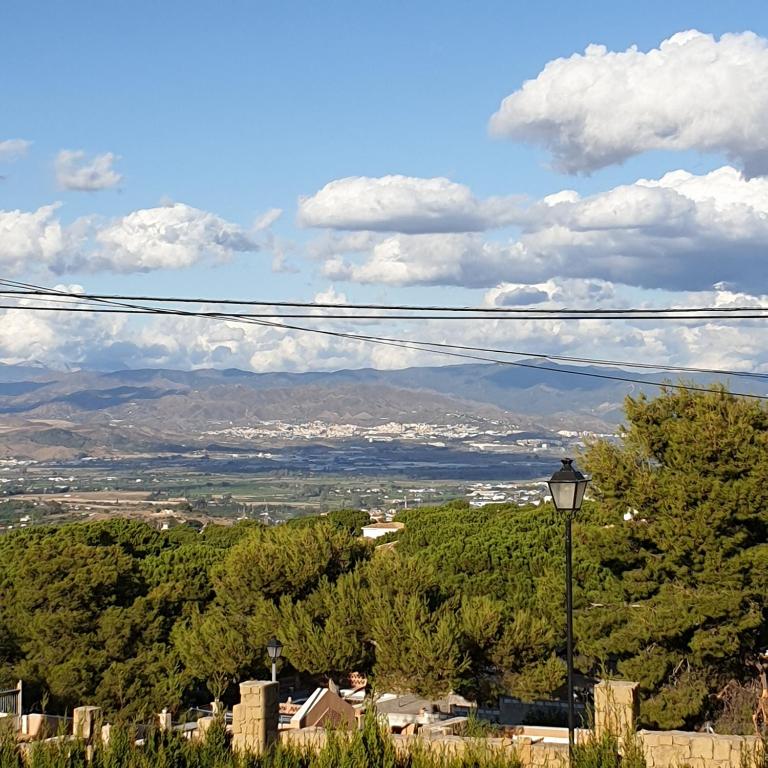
{"type": "Point", "coordinates": [145, 407]}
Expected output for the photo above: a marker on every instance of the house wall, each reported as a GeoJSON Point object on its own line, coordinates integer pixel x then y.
{"type": "Point", "coordinates": [332, 711]}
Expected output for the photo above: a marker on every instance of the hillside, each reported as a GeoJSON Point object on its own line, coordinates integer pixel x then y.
{"type": "Point", "coordinates": [53, 414]}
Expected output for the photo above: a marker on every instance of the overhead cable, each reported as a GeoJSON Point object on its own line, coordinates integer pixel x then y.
{"type": "Point", "coordinates": [416, 345]}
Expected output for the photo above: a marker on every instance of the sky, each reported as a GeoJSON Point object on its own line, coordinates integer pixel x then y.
{"type": "Point", "coordinates": [549, 154]}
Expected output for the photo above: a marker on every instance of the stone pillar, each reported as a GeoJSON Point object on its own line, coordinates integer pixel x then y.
{"type": "Point", "coordinates": [255, 718]}
{"type": "Point", "coordinates": [165, 720]}
{"type": "Point", "coordinates": [84, 721]}
{"type": "Point", "coordinates": [616, 708]}
{"type": "Point", "coordinates": [203, 724]}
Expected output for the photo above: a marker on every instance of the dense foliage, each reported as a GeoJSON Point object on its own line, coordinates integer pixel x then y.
{"type": "Point", "coordinates": [683, 605]}
{"type": "Point", "coordinates": [671, 571]}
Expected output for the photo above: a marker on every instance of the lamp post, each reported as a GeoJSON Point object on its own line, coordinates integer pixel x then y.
{"type": "Point", "coordinates": [567, 487]}
{"type": "Point", "coordinates": [275, 650]}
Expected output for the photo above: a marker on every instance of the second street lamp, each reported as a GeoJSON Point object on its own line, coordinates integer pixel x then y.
{"type": "Point", "coordinates": [275, 650]}
{"type": "Point", "coordinates": [567, 487]}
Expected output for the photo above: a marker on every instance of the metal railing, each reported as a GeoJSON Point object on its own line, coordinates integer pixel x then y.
{"type": "Point", "coordinates": [11, 703]}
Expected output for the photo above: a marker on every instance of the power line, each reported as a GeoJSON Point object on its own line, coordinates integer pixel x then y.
{"type": "Point", "coordinates": [243, 317]}
{"type": "Point", "coordinates": [355, 316]}
{"type": "Point", "coordinates": [424, 347]}
{"type": "Point", "coordinates": [26, 289]}
{"type": "Point", "coordinates": [421, 346]}
{"type": "Point", "coordinates": [137, 309]}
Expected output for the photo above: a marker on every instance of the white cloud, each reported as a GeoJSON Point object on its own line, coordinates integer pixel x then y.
{"type": "Point", "coordinates": [266, 220]}
{"type": "Point", "coordinates": [114, 341]}
{"type": "Point", "coordinates": [61, 338]}
{"type": "Point", "coordinates": [76, 171]}
{"type": "Point", "coordinates": [451, 259]}
{"type": "Point", "coordinates": [681, 231]}
{"type": "Point", "coordinates": [30, 239]}
{"type": "Point", "coordinates": [168, 237]}
{"type": "Point", "coordinates": [554, 292]}
{"type": "Point", "coordinates": [602, 107]}
{"type": "Point", "coordinates": [12, 149]}
{"type": "Point", "coordinates": [333, 244]}
{"type": "Point", "coordinates": [403, 204]}
{"type": "Point", "coordinates": [193, 343]}
{"type": "Point", "coordinates": [330, 296]}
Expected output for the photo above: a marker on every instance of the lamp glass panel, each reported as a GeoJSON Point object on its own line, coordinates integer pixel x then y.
{"type": "Point", "coordinates": [563, 495]}
{"type": "Point", "coordinates": [581, 488]}
{"type": "Point", "coordinates": [274, 648]}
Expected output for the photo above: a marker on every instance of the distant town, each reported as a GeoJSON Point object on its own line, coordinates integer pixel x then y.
{"type": "Point", "coordinates": [482, 435]}
{"type": "Point", "coordinates": [369, 467]}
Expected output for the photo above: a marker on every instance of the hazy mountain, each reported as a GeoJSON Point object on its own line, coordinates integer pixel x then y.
{"type": "Point", "coordinates": [68, 413]}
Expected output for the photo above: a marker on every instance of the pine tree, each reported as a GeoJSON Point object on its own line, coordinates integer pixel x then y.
{"type": "Point", "coordinates": [680, 599]}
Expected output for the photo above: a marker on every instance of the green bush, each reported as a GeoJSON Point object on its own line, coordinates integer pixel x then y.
{"type": "Point", "coordinates": [603, 752]}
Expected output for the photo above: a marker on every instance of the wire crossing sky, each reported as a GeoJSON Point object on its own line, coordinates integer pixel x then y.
{"type": "Point", "coordinates": [467, 178]}
{"type": "Point", "coordinates": [73, 302]}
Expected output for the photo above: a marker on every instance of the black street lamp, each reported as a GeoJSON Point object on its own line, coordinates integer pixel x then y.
{"type": "Point", "coordinates": [275, 650]}
{"type": "Point", "coordinates": [567, 487]}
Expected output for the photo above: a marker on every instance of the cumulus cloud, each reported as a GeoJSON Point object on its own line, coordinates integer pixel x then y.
{"type": "Point", "coordinates": [692, 92]}
{"type": "Point", "coordinates": [115, 341]}
{"type": "Point", "coordinates": [403, 204]}
{"type": "Point", "coordinates": [682, 231]}
{"type": "Point", "coordinates": [62, 338]}
{"type": "Point", "coordinates": [451, 259]}
{"type": "Point", "coordinates": [30, 239]}
{"type": "Point", "coordinates": [715, 344]}
{"type": "Point", "coordinates": [192, 343]}
{"type": "Point", "coordinates": [556, 293]}
{"type": "Point", "coordinates": [76, 171]}
{"type": "Point", "coordinates": [12, 149]}
{"type": "Point", "coordinates": [168, 237]}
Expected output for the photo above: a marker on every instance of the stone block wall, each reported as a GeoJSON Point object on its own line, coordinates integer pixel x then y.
{"type": "Point", "coordinates": [616, 708]}
{"type": "Point", "coordinates": [255, 728]}
{"type": "Point", "coordinates": [39, 726]}
{"type": "Point", "coordinates": [531, 754]}
{"type": "Point", "coordinates": [542, 755]}
{"type": "Point", "coordinates": [255, 718]}
{"type": "Point", "coordinates": [671, 749]}
{"type": "Point", "coordinates": [85, 721]}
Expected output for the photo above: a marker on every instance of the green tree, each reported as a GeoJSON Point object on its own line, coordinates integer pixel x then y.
{"type": "Point", "coordinates": [511, 651]}
{"type": "Point", "coordinates": [218, 648]}
{"type": "Point", "coordinates": [271, 562]}
{"type": "Point", "coordinates": [351, 520]}
{"type": "Point", "coordinates": [680, 603]}
{"type": "Point", "coordinates": [326, 634]}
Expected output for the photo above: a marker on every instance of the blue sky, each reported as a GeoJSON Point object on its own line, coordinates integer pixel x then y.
{"type": "Point", "coordinates": [238, 108]}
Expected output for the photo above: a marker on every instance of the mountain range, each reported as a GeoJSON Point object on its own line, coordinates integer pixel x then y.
{"type": "Point", "coordinates": [52, 414]}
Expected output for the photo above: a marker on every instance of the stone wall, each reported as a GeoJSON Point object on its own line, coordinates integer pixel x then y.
{"type": "Point", "coordinates": [531, 754]}
{"type": "Point", "coordinates": [663, 749]}
{"type": "Point", "coordinates": [255, 718]}
{"type": "Point", "coordinates": [255, 728]}
{"type": "Point", "coordinates": [616, 708]}
{"type": "Point", "coordinates": [85, 722]}
{"type": "Point", "coordinates": [39, 726]}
